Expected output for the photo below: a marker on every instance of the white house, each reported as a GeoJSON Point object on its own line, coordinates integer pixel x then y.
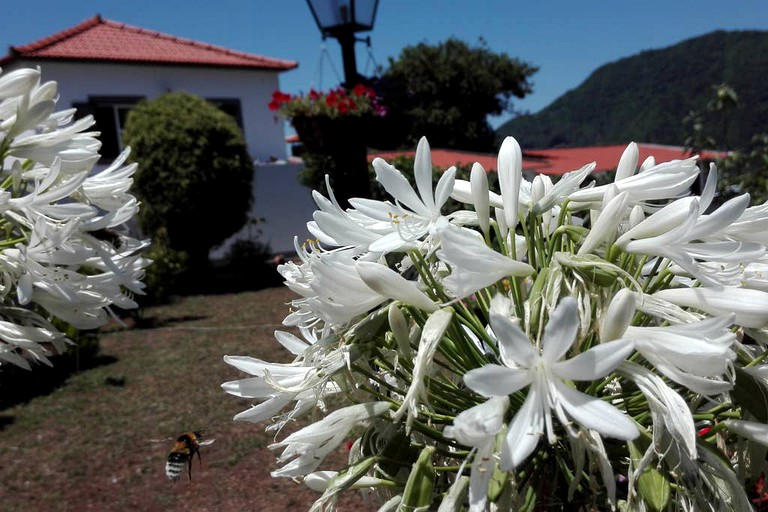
{"type": "Point", "coordinates": [104, 68]}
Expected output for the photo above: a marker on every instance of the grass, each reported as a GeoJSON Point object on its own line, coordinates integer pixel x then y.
{"type": "Point", "coordinates": [100, 439]}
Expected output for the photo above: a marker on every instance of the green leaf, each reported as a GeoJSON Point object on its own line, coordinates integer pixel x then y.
{"type": "Point", "coordinates": [751, 394]}
{"type": "Point", "coordinates": [652, 486]}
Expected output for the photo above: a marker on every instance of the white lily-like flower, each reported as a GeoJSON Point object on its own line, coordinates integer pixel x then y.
{"type": "Point", "coordinates": [510, 171]}
{"type": "Point", "coordinates": [687, 238]}
{"type": "Point", "coordinates": [334, 226]}
{"type": "Point", "coordinates": [320, 480]}
{"type": "Point", "coordinates": [604, 228]}
{"type": "Point", "coordinates": [750, 307]}
{"type": "Point", "coordinates": [477, 427]}
{"type": "Point", "coordinates": [752, 430]}
{"type": "Point", "coordinates": [546, 375]}
{"type": "Point", "coordinates": [389, 284]}
{"type": "Point", "coordinates": [474, 265]}
{"type": "Point", "coordinates": [480, 196]}
{"type": "Point", "coordinates": [695, 354]}
{"type": "Point", "coordinates": [277, 385]}
{"type": "Point", "coordinates": [306, 448]}
{"type": "Point", "coordinates": [669, 179]}
{"type": "Point", "coordinates": [415, 214]}
{"type": "Point", "coordinates": [431, 335]}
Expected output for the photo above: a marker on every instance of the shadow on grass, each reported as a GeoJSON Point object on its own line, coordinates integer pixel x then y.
{"type": "Point", "coordinates": [154, 323]}
{"type": "Point", "coordinates": [18, 385]}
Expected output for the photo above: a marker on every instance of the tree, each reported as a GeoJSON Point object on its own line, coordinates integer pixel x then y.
{"type": "Point", "coordinates": [195, 174]}
{"type": "Point", "coordinates": [745, 168]}
{"type": "Point", "coordinates": [447, 91]}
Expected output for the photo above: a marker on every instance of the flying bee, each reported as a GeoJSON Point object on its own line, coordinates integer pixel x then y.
{"type": "Point", "coordinates": [187, 445]}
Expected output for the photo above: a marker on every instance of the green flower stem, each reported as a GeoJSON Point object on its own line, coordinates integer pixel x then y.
{"type": "Point", "coordinates": [759, 359]}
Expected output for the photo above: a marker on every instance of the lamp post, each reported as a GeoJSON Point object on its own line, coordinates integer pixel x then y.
{"type": "Point", "coordinates": [346, 144]}
{"type": "Point", "coordinates": [342, 19]}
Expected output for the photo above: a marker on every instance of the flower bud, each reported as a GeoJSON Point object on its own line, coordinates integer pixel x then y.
{"type": "Point", "coordinates": [618, 316]}
{"type": "Point", "coordinates": [479, 183]}
{"type": "Point", "coordinates": [418, 489]}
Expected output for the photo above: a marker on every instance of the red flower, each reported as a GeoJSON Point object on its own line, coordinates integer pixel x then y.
{"type": "Point", "coordinates": [331, 99]}
{"type": "Point", "coordinates": [314, 95]}
{"type": "Point", "coordinates": [360, 90]}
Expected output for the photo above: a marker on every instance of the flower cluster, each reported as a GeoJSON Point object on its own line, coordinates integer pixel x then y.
{"type": "Point", "coordinates": [361, 100]}
{"type": "Point", "coordinates": [61, 256]}
{"type": "Point", "coordinates": [556, 344]}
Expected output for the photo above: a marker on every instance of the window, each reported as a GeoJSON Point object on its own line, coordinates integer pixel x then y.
{"type": "Point", "coordinates": [110, 113]}
{"type": "Point", "coordinates": [229, 106]}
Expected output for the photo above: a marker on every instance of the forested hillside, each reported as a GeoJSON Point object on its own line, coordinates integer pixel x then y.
{"type": "Point", "coordinates": [645, 97]}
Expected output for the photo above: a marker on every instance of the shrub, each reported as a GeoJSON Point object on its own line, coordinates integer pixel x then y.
{"type": "Point", "coordinates": [195, 172]}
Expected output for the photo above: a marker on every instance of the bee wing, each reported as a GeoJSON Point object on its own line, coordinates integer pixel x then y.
{"type": "Point", "coordinates": [206, 442]}
{"type": "Point", "coordinates": [164, 440]}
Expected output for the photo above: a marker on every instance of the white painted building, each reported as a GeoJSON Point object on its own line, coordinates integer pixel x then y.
{"type": "Point", "coordinates": [104, 68]}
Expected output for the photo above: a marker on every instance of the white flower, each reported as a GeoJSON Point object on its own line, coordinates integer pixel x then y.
{"type": "Point", "coordinates": [306, 448]}
{"type": "Point", "coordinates": [477, 427]}
{"type": "Point", "coordinates": [474, 265]}
{"type": "Point", "coordinates": [388, 283]}
{"type": "Point", "coordinates": [510, 169]}
{"type": "Point", "coordinates": [752, 430]}
{"type": "Point", "coordinates": [547, 376]}
{"type": "Point", "coordinates": [664, 181]}
{"type": "Point", "coordinates": [431, 336]}
{"type": "Point", "coordinates": [750, 307]}
{"type": "Point", "coordinates": [277, 385]}
{"type": "Point", "coordinates": [415, 214]}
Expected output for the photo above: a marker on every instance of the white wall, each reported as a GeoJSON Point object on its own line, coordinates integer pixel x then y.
{"type": "Point", "coordinates": [285, 205]}
{"type": "Point", "coordinates": [264, 132]}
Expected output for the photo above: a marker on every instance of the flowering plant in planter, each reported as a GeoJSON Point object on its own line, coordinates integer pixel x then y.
{"type": "Point", "coordinates": [556, 345]}
{"type": "Point", "coordinates": [62, 260]}
{"type": "Point", "coordinates": [360, 101]}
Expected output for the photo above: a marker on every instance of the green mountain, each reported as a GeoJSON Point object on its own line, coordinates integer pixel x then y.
{"type": "Point", "coordinates": [645, 97]}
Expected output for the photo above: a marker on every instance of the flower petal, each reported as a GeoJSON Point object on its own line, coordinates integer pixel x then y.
{"type": "Point", "coordinates": [496, 380]}
{"type": "Point", "coordinates": [515, 346]}
{"type": "Point", "coordinates": [595, 414]}
{"type": "Point", "coordinates": [560, 331]}
{"type": "Point", "coordinates": [595, 363]}
{"type": "Point", "coordinates": [390, 284]}
{"type": "Point", "coordinates": [524, 432]}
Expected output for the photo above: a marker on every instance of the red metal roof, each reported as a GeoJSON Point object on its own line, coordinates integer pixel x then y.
{"type": "Point", "coordinates": [98, 39]}
{"type": "Point", "coordinates": [554, 161]}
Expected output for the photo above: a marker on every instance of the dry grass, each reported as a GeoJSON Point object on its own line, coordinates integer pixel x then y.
{"type": "Point", "coordinates": [99, 441]}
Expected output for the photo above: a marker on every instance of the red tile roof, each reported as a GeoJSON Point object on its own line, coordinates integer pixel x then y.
{"type": "Point", "coordinates": [98, 39]}
{"type": "Point", "coordinates": [553, 161]}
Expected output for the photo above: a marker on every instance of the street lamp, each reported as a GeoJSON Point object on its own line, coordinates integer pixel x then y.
{"type": "Point", "coordinates": [341, 19]}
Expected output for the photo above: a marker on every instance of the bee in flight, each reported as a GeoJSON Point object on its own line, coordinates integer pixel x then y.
{"type": "Point", "coordinates": [187, 445]}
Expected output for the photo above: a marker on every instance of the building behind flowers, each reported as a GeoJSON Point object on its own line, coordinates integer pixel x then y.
{"type": "Point", "coordinates": [104, 67]}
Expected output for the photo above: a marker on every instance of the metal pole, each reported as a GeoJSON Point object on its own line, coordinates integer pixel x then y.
{"type": "Point", "coordinates": [347, 42]}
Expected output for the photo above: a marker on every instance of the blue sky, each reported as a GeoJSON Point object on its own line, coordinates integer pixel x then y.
{"type": "Point", "coordinates": [566, 39]}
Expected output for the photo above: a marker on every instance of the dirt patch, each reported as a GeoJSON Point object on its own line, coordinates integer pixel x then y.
{"type": "Point", "coordinates": [99, 441]}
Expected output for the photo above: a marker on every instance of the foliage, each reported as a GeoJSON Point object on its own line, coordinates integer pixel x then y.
{"type": "Point", "coordinates": [644, 97]}
{"type": "Point", "coordinates": [195, 170]}
{"type": "Point", "coordinates": [361, 100]}
{"type": "Point", "coordinates": [163, 276]}
{"type": "Point", "coordinates": [745, 169]}
{"type": "Point", "coordinates": [446, 91]}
